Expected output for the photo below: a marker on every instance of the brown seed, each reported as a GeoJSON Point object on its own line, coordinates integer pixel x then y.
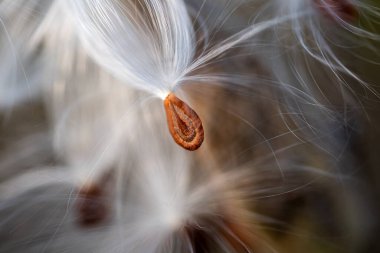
{"type": "Point", "coordinates": [91, 206]}
{"type": "Point", "coordinates": [202, 235]}
{"type": "Point", "coordinates": [93, 200]}
{"type": "Point", "coordinates": [184, 124]}
{"type": "Point", "coordinates": [343, 9]}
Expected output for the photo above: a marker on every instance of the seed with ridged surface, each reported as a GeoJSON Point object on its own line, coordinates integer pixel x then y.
{"type": "Point", "coordinates": [184, 124]}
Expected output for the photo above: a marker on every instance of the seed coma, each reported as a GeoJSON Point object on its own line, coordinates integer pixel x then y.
{"type": "Point", "coordinates": [91, 206]}
{"type": "Point", "coordinates": [184, 124]}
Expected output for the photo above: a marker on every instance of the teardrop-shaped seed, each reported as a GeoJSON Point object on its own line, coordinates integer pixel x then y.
{"type": "Point", "coordinates": [184, 124]}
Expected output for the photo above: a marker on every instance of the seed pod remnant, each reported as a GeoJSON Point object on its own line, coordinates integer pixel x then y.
{"type": "Point", "coordinates": [184, 124]}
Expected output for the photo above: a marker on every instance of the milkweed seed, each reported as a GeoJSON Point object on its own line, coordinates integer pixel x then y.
{"type": "Point", "coordinates": [343, 9]}
{"type": "Point", "coordinates": [184, 124]}
{"type": "Point", "coordinates": [91, 207]}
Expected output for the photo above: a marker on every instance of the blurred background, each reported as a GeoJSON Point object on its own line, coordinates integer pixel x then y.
{"type": "Point", "coordinates": [291, 159]}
